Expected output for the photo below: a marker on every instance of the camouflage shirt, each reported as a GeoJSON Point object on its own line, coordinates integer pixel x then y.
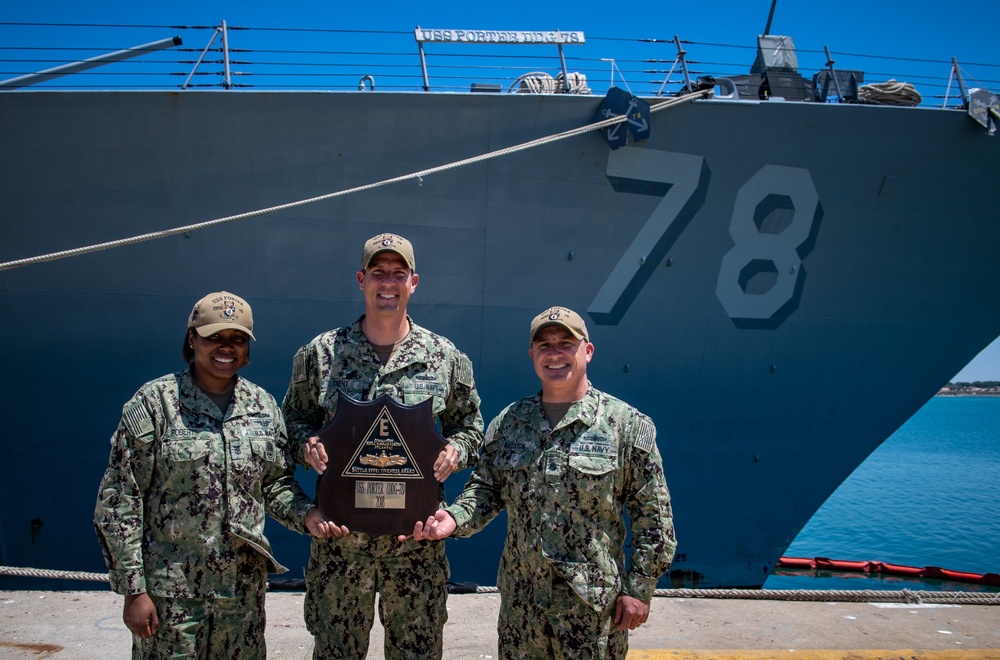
{"type": "Point", "coordinates": [564, 489]}
{"type": "Point", "coordinates": [187, 484]}
{"type": "Point", "coordinates": [423, 365]}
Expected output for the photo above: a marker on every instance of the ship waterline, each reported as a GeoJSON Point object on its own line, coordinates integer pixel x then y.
{"type": "Point", "coordinates": [778, 285]}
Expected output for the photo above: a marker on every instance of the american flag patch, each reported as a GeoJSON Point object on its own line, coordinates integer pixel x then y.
{"type": "Point", "coordinates": [645, 436]}
{"type": "Point", "coordinates": [464, 375]}
{"type": "Point", "coordinates": [137, 420]}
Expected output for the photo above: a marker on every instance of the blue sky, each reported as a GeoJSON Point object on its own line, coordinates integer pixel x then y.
{"type": "Point", "coordinates": [986, 366]}
{"type": "Point", "coordinates": [921, 27]}
{"type": "Point", "coordinates": [918, 29]}
{"type": "Point", "coordinates": [917, 38]}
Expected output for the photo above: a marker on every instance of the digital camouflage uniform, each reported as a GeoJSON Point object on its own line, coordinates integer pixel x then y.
{"type": "Point", "coordinates": [344, 573]}
{"type": "Point", "coordinates": [180, 513]}
{"type": "Point", "coordinates": [563, 564]}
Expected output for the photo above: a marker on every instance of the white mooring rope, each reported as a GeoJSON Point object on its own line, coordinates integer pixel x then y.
{"type": "Point", "coordinates": [18, 571]}
{"type": "Point", "coordinates": [865, 596]}
{"type": "Point", "coordinates": [414, 175]}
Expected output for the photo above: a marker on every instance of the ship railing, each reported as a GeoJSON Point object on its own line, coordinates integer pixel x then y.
{"type": "Point", "coordinates": [227, 81]}
{"type": "Point", "coordinates": [679, 61]}
{"type": "Point", "coordinates": [232, 57]}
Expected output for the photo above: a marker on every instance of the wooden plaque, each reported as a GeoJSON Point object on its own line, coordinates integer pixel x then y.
{"type": "Point", "coordinates": [379, 476]}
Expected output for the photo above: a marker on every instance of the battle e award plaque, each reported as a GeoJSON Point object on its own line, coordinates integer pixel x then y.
{"type": "Point", "coordinates": [379, 476]}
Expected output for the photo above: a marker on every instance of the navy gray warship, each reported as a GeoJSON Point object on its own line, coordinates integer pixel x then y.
{"type": "Point", "coordinates": [779, 268]}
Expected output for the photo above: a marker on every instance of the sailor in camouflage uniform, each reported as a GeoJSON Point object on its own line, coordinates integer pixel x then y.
{"type": "Point", "coordinates": [197, 458]}
{"type": "Point", "coordinates": [383, 352]}
{"type": "Point", "coordinates": [564, 463]}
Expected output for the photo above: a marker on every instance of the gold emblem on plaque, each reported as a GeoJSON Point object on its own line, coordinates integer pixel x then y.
{"type": "Point", "coordinates": [382, 460]}
{"type": "Point", "coordinates": [383, 452]}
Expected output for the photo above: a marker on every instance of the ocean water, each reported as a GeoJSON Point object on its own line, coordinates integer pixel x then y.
{"type": "Point", "coordinates": [929, 496]}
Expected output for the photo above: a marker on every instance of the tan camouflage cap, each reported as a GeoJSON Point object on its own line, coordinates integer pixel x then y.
{"type": "Point", "coordinates": [221, 311]}
{"type": "Point", "coordinates": [388, 243]}
{"type": "Point", "coordinates": [562, 316]}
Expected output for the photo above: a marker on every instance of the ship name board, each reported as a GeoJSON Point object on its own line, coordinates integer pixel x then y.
{"type": "Point", "coordinates": [498, 36]}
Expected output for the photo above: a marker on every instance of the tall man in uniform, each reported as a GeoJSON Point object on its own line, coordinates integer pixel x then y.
{"type": "Point", "coordinates": [564, 463]}
{"type": "Point", "coordinates": [383, 352]}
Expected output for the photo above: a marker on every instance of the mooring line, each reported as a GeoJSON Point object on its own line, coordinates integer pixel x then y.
{"type": "Point", "coordinates": [605, 123]}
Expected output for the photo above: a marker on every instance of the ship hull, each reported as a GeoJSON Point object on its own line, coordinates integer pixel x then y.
{"type": "Point", "coordinates": [779, 285]}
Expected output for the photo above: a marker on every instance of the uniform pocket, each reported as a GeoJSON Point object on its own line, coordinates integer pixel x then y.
{"type": "Point", "coordinates": [330, 396]}
{"type": "Point", "coordinates": [265, 450]}
{"type": "Point", "coordinates": [596, 585]}
{"type": "Point", "coordinates": [516, 456]}
{"type": "Point", "coordinates": [417, 391]}
{"type": "Point", "coordinates": [187, 464]}
{"type": "Point", "coordinates": [188, 449]}
{"type": "Point", "coordinates": [594, 453]}
{"type": "Point", "coordinates": [592, 465]}
{"type": "Point", "coordinates": [593, 479]}
{"type": "Point", "coordinates": [254, 456]}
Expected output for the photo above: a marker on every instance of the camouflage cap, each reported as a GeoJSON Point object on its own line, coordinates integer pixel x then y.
{"type": "Point", "coordinates": [561, 316]}
{"type": "Point", "coordinates": [221, 311]}
{"type": "Point", "coordinates": [388, 243]}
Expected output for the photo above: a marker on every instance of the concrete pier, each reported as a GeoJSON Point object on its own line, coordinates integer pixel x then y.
{"type": "Point", "coordinates": [87, 624]}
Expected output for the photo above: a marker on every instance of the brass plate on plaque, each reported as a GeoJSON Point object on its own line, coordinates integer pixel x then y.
{"type": "Point", "coordinates": [379, 475]}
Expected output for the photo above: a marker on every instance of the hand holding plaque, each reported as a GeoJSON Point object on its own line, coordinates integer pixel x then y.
{"type": "Point", "coordinates": [380, 465]}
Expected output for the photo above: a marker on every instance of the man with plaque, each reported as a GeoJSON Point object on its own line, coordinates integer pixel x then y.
{"type": "Point", "coordinates": [362, 408]}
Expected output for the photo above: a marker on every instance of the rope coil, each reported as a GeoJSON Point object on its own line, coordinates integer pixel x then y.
{"type": "Point", "coordinates": [539, 82]}
{"type": "Point", "coordinates": [890, 93]}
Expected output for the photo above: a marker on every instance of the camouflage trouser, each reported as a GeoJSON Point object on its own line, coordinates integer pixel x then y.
{"type": "Point", "coordinates": [342, 579]}
{"type": "Point", "coordinates": [566, 628]}
{"type": "Point", "coordinates": [213, 627]}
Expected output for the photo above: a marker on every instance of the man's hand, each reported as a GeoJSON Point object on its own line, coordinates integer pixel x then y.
{"type": "Point", "coordinates": [630, 613]}
{"type": "Point", "coordinates": [439, 526]}
{"type": "Point", "coordinates": [322, 528]}
{"type": "Point", "coordinates": [315, 454]}
{"type": "Point", "coordinates": [446, 463]}
{"type": "Point", "coordinates": [139, 615]}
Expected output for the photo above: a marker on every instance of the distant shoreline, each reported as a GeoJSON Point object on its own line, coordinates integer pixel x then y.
{"type": "Point", "coordinates": [978, 388]}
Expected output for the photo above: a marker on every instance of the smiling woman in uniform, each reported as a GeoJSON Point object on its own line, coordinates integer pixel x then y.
{"type": "Point", "coordinates": [197, 458]}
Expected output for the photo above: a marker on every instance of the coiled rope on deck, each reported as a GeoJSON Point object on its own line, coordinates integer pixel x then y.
{"type": "Point", "coordinates": [538, 82]}
{"type": "Point", "coordinates": [890, 93]}
{"type": "Point", "coordinates": [865, 596]}
{"type": "Point", "coordinates": [605, 123]}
